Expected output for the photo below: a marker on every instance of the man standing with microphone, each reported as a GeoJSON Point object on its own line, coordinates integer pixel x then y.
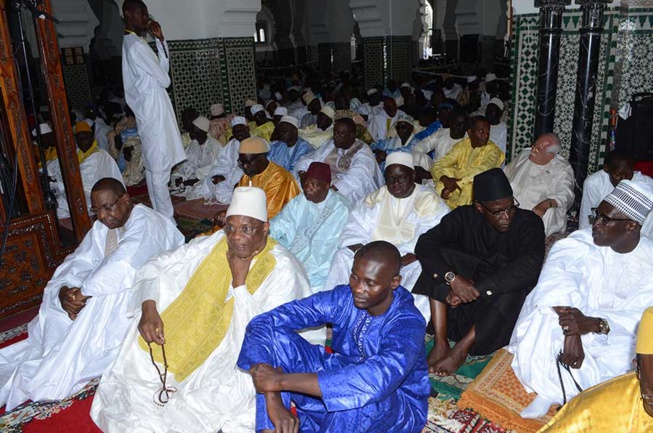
{"type": "Point", "coordinates": [145, 79]}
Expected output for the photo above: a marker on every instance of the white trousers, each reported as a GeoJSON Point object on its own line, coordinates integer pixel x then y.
{"type": "Point", "coordinates": [157, 188]}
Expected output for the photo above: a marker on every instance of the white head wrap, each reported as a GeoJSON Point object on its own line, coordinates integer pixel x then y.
{"type": "Point", "coordinates": [256, 109]}
{"type": "Point", "coordinates": [290, 119]}
{"type": "Point", "coordinates": [400, 158]}
{"type": "Point", "coordinates": [202, 123]}
{"type": "Point", "coordinates": [249, 201]}
{"type": "Point", "coordinates": [238, 120]}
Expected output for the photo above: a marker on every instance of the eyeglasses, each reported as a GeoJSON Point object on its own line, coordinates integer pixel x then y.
{"type": "Point", "coordinates": [106, 208]}
{"type": "Point", "coordinates": [648, 398]}
{"type": "Point", "coordinates": [243, 162]}
{"type": "Point", "coordinates": [162, 395]}
{"type": "Point", "coordinates": [503, 212]}
{"type": "Point", "coordinates": [398, 179]}
{"type": "Point", "coordinates": [246, 230]}
{"type": "Point", "coordinates": [596, 217]}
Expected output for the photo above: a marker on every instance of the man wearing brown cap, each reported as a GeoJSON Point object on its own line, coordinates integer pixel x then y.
{"type": "Point", "coordinates": [354, 169]}
{"type": "Point", "coordinates": [478, 266]}
{"type": "Point", "coordinates": [310, 224]}
{"type": "Point", "coordinates": [279, 185]}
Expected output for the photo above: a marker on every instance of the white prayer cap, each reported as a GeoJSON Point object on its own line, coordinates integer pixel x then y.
{"type": "Point", "coordinates": [250, 103]}
{"type": "Point", "coordinates": [249, 201]}
{"type": "Point", "coordinates": [238, 120]}
{"type": "Point", "coordinates": [202, 123]}
{"type": "Point", "coordinates": [403, 117]}
{"type": "Point", "coordinates": [256, 109]}
{"type": "Point", "coordinates": [371, 91]}
{"type": "Point", "coordinates": [633, 199]}
{"type": "Point", "coordinates": [400, 158]}
{"type": "Point", "coordinates": [290, 119]}
{"type": "Point", "coordinates": [280, 111]}
{"type": "Point", "coordinates": [328, 111]}
{"type": "Point", "coordinates": [253, 146]}
{"type": "Point", "coordinates": [308, 97]}
{"type": "Point", "coordinates": [472, 78]}
{"type": "Point", "coordinates": [496, 101]}
{"type": "Point", "coordinates": [490, 77]}
{"type": "Point", "coordinates": [44, 128]}
{"type": "Point", "coordinates": [405, 84]}
{"type": "Point", "coordinates": [217, 109]}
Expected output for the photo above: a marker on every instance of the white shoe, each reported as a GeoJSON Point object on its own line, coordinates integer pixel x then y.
{"type": "Point", "coordinates": [538, 408]}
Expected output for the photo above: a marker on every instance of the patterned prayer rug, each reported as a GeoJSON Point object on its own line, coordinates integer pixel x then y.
{"type": "Point", "coordinates": [72, 414]}
{"type": "Point", "coordinates": [451, 387]}
{"type": "Point", "coordinates": [498, 395]}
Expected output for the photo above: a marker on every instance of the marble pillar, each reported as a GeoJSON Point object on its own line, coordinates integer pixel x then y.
{"type": "Point", "coordinates": [588, 62]}
{"type": "Point", "coordinates": [547, 83]}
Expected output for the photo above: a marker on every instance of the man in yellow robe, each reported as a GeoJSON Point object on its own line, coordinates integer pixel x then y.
{"type": "Point", "coordinates": [454, 173]}
{"type": "Point", "coordinates": [279, 185]}
{"type": "Point", "coordinates": [264, 126]}
{"type": "Point", "coordinates": [623, 404]}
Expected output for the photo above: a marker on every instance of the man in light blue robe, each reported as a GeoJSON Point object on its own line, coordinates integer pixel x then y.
{"type": "Point", "coordinates": [376, 379]}
{"type": "Point", "coordinates": [310, 224]}
{"type": "Point", "coordinates": [403, 142]}
{"type": "Point", "coordinates": [290, 147]}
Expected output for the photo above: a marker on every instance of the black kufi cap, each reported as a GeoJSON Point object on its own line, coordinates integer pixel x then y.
{"type": "Point", "coordinates": [491, 185]}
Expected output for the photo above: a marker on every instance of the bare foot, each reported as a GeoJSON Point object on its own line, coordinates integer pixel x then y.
{"type": "Point", "coordinates": [439, 351]}
{"type": "Point", "coordinates": [451, 362]}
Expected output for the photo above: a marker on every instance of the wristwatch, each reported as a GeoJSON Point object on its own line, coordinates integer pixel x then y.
{"type": "Point", "coordinates": [604, 327]}
{"type": "Point", "coordinates": [449, 277]}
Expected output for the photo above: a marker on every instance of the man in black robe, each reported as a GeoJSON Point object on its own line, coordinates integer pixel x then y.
{"type": "Point", "coordinates": [478, 265]}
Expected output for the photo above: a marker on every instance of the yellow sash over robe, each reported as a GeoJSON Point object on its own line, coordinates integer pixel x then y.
{"type": "Point", "coordinates": [279, 185]}
{"type": "Point", "coordinates": [197, 321]}
{"type": "Point", "coordinates": [613, 406]}
{"type": "Point", "coordinates": [81, 155]}
{"type": "Point", "coordinates": [464, 162]}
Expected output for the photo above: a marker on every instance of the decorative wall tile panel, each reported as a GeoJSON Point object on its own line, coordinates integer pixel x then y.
{"type": "Point", "coordinates": [241, 72]}
{"type": "Point", "coordinates": [341, 57]}
{"type": "Point", "coordinates": [76, 78]}
{"type": "Point", "coordinates": [524, 78]}
{"type": "Point", "coordinates": [195, 73]}
{"type": "Point", "coordinates": [635, 54]}
{"type": "Point", "coordinates": [374, 61]}
{"type": "Point", "coordinates": [208, 71]}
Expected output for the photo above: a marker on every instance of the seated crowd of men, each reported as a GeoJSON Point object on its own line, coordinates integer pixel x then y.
{"type": "Point", "coordinates": [355, 216]}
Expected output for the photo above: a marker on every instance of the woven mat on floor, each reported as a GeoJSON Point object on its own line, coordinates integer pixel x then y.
{"type": "Point", "coordinates": [497, 395]}
{"type": "Point", "coordinates": [445, 417]}
{"type": "Point", "coordinates": [454, 385]}
{"type": "Point", "coordinates": [198, 209]}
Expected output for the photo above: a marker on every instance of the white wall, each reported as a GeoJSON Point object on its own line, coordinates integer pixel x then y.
{"type": "Point", "coordinates": [200, 19]}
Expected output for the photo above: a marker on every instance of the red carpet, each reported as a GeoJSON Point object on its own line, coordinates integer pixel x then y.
{"type": "Point", "coordinates": [65, 416]}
